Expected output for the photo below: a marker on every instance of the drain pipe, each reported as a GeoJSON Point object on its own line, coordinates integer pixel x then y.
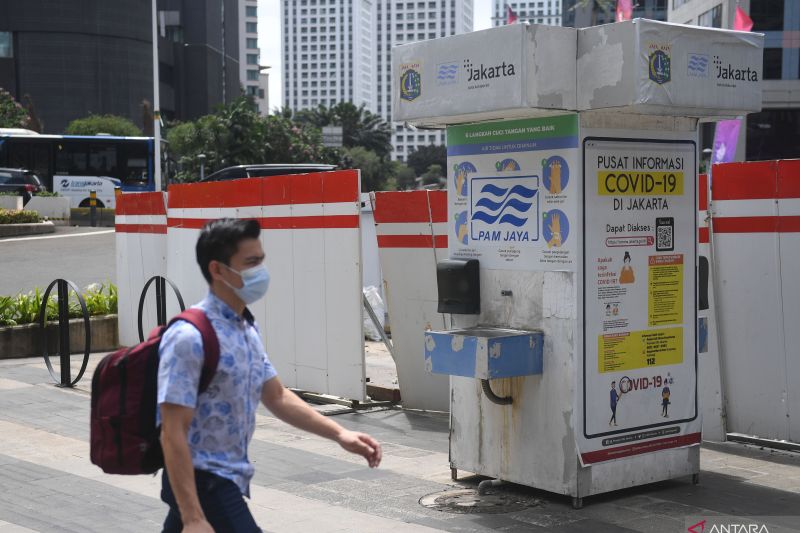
{"type": "Point", "coordinates": [492, 397]}
{"type": "Point", "coordinates": [486, 484]}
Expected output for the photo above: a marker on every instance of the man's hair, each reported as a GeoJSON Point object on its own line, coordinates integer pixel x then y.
{"type": "Point", "coordinates": [219, 241]}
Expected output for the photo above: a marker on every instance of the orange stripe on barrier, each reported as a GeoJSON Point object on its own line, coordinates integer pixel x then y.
{"type": "Point", "coordinates": [311, 222]}
{"type": "Point", "coordinates": [745, 181]}
{"type": "Point", "coordinates": [141, 203]}
{"type": "Point", "coordinates": [765, 224]}
{"type": "Point", "coordinates": [412, 241]}
{"type": "Point", "coordinates": [703, 236]}
{"type": "Point", "coordinates": [702, 196]}
{"type": "Point", "coordinates": [438, 200]}
{"type": "Point", "coordinates": [641, 447]}
{"type": "Point", "coordinates": [320, 187]}
{"type": "Point", "coordinates": [789, 178]}
{"type": "Point", "coordinates": [394, 207]}
{"type": "Point", "coordinates": [160, 229]}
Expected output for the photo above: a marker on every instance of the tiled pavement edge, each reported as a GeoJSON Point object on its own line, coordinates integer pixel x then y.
{"type": "Point", "coordinates": [304, 483]}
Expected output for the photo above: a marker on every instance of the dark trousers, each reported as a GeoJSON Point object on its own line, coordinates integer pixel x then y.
{"type": "Point", "coordinates": [221, 500]}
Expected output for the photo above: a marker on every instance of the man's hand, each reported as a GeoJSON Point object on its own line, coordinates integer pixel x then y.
{"type": "Point", "coordinates": [285, 405]}
{"type": "Point", "coordinates": [200, 526]}
{"type": "Point", "coordinates": [361, 444]}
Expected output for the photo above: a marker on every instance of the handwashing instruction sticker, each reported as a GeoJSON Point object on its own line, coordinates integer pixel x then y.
{"type": "Point", "coordinates": [511, 197]}
{"type": "Point", "coordinates": [639, 377]}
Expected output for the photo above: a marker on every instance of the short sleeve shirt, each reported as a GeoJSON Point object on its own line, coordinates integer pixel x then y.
{"type": "Point", "coordinates": [225, 414]}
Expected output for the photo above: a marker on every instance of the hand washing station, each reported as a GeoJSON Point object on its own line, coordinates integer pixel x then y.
{"type": "Point", "coordinates": [572, 235]}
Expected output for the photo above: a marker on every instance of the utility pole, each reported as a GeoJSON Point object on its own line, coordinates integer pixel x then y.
{"type": "Point", "coordinates": [156, 104]}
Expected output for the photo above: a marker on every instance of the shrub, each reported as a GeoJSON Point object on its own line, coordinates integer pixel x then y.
{"type": "Point", "coordinates": [101, 299]}
{"type": "Point", "coordinates": [8, 216]}
{"type": "Point", "coordinates": [109, 124]}
{"type": "Point", "coordinates": [47, 194]}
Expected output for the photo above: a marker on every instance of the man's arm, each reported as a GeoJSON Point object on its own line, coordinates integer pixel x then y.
{"type": "Point", "coordinates": [175, 422]}
{"type": "Point", "coordinates": [285, 405]}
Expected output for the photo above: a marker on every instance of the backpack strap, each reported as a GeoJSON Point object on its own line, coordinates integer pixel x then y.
{"type": "Point", "coordinates": [198, 318]}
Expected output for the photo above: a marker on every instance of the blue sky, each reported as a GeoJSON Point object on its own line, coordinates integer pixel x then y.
{"type": "Point", "coordinates": [269, 40]}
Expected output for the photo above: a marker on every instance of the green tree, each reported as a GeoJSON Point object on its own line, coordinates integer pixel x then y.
{"type": "Point", "coordinates": [405, 176]}
{"type": "Point", "coordinates": [237, 135]}
{"type": "Point", "coordinates": [360, 127]}
{"type": "Point", "coordinates": [12, 114]}
{"type": "Point", "coordinates": [375, 171]}
{"type": "Point", "coordinates": [425, 156]}
{"type": "Point", "coordinates": [434, 175]}
{"type": "Point", "coordinates": [110, 124]}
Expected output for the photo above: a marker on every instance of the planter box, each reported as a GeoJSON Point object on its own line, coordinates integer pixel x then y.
{"type": "Point", "coordinates": [54, 208]}
{"type": "Point", "coordinates": [13, 203]}
{"type": "Point", "coordinates": [25, 341]}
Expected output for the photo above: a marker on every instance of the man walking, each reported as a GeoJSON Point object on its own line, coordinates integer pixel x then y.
{"type": "Point", "coordinates": [205, 436]}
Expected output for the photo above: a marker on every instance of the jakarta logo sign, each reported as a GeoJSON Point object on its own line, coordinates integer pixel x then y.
{"type": "Point", "coordinates": [505, 209]}
{"type": "Point", "coordinates": [660, 63]}
{"type": "Point", "coordinates": [410, 81]}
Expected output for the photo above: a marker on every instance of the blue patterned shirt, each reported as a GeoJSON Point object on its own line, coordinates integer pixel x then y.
{"type": "Point", "coordinates": [225, 414]}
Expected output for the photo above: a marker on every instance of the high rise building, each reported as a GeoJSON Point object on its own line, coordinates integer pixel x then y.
{"type": "Point", "coordinates": [328, 51]}
{"type": "Point", "coordinates": [576, 15]}
{"type": "Point", "coordinates": [69, 62]}
{"type": "Point", "coordinates": [400, 22]}
{"type": "Point", "coordinates": [772, 133]}
{"type": "Point", "coordinates": [254, 82]}
{"type": "Point", "coordinates": [533, 11]}
{"type": "Point", "coordinates": [341, 51]}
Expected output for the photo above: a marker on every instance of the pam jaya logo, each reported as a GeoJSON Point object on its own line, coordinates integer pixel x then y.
{"type": "Point", "coordinates": [502, 210]}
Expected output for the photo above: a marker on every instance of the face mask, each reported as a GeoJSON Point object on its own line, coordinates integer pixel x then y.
{"type": "Point", "coordinates": [256, 283]}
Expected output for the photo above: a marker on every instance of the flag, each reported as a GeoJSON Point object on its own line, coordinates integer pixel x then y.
{"type": "Point", "coordinates": [511, 17]}
{"type": "Point", "coordinates": [726, 134]}
{"type": "Point", "coordinates": [741, 21]}
{"type": "Point", "coordinates": [624, 10]}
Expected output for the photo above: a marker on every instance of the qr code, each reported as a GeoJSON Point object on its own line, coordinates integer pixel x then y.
{"type": "Point", "coordinates": [664, 238]}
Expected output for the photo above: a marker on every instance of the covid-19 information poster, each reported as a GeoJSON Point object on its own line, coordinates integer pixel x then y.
{"type": "Point", "coordinates": [639, 362]}
{"type": "Point", "coordinates": [513, 193]}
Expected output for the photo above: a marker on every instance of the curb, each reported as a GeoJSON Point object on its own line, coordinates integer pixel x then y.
{"type": "Point", "coordinates": [17, 230]}
{"type": "Point", "coordinates": [383, 394]}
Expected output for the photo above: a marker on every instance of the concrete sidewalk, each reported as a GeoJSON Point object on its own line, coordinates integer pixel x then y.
{"type": "Point", "coordinates": [304, 483]}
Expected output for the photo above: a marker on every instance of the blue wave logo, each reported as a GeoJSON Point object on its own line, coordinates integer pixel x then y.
{"type": "Point", "coordinates": [698, 65]}
{"type": "Point", "coordinates": [504, 205]}
{"type": "Point", "coordinates": [447, 73]}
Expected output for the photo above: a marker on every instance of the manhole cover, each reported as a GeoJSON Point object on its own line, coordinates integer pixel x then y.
{"type": "Point", "coordinates": [468, 501]}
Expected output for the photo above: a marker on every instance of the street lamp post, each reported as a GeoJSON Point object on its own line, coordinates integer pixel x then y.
{"type": "Point", "coordinates": [202, 159]}
{"type": "Point", "coordinates": [156, 104]}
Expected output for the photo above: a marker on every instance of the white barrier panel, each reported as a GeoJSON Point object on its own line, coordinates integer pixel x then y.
{"type": "Point", "coordinates": [141, 231]}
{"type": "Point", "coordinates": [755, 243]}
{"type": "Point", "coordinates": [311, 318]}
{"type": "Point", "coordinates": [709, 391]}
{"type": "Point", "coordinates": [412, 237]}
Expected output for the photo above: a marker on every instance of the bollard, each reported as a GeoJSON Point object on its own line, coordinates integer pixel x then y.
{"type": "Point", "coordinates": [63, 287]}
{"type": "Point", "coordinates": [161, 302]}
{"type": "Point", "coordinates": [93, 207]}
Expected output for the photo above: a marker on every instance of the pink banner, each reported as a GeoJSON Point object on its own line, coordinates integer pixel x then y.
{"type": "Point", "coordinates": [726, 137]}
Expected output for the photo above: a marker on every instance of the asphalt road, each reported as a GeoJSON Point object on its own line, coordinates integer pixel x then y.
{"type": "Point", "coordinates": [81, 255]}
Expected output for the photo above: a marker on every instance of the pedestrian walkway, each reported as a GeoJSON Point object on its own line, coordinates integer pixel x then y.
{"type": "Point", "coordinates": [307, 484]}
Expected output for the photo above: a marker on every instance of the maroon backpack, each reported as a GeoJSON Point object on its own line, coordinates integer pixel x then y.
{"type": "Point", "coordinates": [124, 435]}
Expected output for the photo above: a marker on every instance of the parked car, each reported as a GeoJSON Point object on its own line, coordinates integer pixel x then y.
{"type": "Point", "coordinates": [261, 171]}
{"type": "Point", "coordinates": [20, 181]}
